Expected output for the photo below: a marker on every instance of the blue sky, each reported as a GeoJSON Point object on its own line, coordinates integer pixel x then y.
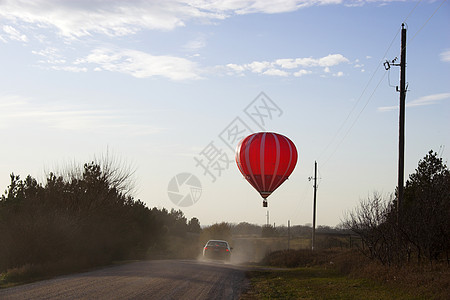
{"type": "Point", "coordinates": [158, 83]}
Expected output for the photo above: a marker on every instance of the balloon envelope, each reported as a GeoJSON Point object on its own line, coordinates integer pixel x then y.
{"type": "Point", "coordinates": [266, 159]}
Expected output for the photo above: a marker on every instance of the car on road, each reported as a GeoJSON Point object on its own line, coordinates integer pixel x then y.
{"type": "Point", "coordinates": [217, 249]}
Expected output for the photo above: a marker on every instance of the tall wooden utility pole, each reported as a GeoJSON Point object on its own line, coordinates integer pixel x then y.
{"type": "Point", "coordinates": [401, 120]}
{"type": "Point", "coordinates": [314, 207]}
{"type": "Point", "coordinates": [401, 136]}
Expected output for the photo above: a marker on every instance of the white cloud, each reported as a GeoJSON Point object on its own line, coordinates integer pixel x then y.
{"type": "Point", "coordinates": [195, 44]}
{"type": "Point", "coordinates": [286, 63]}
{"type": "Point", "coordinates": [14, 34]}
{"type": "Point", "coordinates": [276, 72]}
{"type": "Point", "coordinates": [273, 67]}
{"type": "Point", "coordinates": [445, 56]}
{"type": "Point", "coordinates": [54, 60]}
{"type": "Point", "coordinates": [422, 101]}
{"type": "Point", "coordinates": [332, 60]}
{"type": "Point", "coordinates": [236, 68]}
{"type": "Point", "coordinates": [76, 19]}
{"type": "Point", "coordinates": [306, 62]}
{"type": "Point", "coordinates": [338, 74]}
{"type": "Point", "coordinates": [141, 65]}
{"type": "Point", "coordinates": [387, 108]}
{"type": "Point", "coordinates": [428, 100]}
{"type": "Point", "coordinates": [51, 54]}
{"type": "Point", "coordinates": [258, 66]}
{"type": "Point", "coordinates": [326, 61]}
{"type": "Point", "coordinates": [301, 73]}
{"type": "Point", "coordinates": [81, 19]}
{"type": "Point", "coordinates": [69, 69]}
{"type": "Point", "coordinates": [17, 109]}
{"type": "Point", "coordinates": [259, 6]}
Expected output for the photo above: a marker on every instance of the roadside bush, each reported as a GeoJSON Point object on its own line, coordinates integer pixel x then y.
{"type": "Point", "coordinates": [299, 258]}
{"type": "Point", "coordinates": [31, 272]}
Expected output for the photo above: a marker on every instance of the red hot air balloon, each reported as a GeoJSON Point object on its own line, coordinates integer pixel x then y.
{"type": "Point", "coordinates": [266, 159]}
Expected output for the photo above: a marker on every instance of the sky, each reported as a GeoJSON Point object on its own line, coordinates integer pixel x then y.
{"type": "Point", "coordinates": [168, 88]}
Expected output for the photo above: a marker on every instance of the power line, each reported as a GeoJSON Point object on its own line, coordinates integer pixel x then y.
{"type": "Point", "coordinates": [359, 98]}
{"type": "Point", "coordinates": [441, 150]}
{"type": "Point", "coordinates": [410, 13]}
{"type": "Point", "coordinates": [367, 85]}
{"type": "Point", "coordinates": [354, 122]}
{"type": "Point", "coordinates": [426, 22]}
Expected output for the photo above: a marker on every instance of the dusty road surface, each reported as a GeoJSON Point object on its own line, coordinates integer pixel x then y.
{"type": "Point", "coordinates": [165, 279]}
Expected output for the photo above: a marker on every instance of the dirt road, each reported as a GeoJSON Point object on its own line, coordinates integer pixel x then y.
{"type": "Point", "coordinates": [166, 279]}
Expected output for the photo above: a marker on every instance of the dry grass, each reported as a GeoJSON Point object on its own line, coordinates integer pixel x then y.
{"type": "Point", "coordinates": [299, 258]}
{"type": "Point", "coordinates": [34, 272]}
{"type": "Point", "coordinates": [345, 274]}
{"type": "Point", "coordinates": [430, 281]}
{"type": "Point", "coordinates": [319, 283]}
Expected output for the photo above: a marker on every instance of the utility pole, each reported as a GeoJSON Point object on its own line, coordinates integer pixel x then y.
{"type": "Point", "coordinates": [289, 234]}
{"type": "Point", "coordinates": [267, 215]}
{"type": "Point", "coordinates": [314, 206]}
{"type": "Point", "coordinates": [401, 137]}
{"type": "Point", "coordinates": [401, 120]}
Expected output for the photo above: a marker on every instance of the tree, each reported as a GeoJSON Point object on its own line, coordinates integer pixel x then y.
{"type": "Point", "coordinates": [269, 231]}
{"type": "Point", "coordinates": [370, 220]}
{"type": "Point", "coordinates": [80, 216]}
{"type": "Point", "coordinates": [425, 213]}
{"type": "Point", "coordinates": [217, 231]}
{"type": "Point", "coordinates": [245, 228]}
{"type": "Point", "coordinates": [194, 225]}
{"type": "Point", "coordinates": [420, 226]}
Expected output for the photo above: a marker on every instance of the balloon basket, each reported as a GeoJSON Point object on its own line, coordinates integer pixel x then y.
{"type": "Point", "coordinates": [264, 203]}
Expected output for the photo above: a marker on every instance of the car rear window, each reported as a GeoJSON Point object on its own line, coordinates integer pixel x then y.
{"type": "Point", "coordinates": [217, 244]}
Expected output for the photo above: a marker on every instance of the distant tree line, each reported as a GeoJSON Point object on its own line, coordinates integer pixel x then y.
{"type": "Point", "coordinates": [327, 237]}
{"type": "Point", "coordinates": [418, 229]}
{"type": "Point", "coordinates": [246, 229]}
{"type": "Point", "coordinates": [83, 218]}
